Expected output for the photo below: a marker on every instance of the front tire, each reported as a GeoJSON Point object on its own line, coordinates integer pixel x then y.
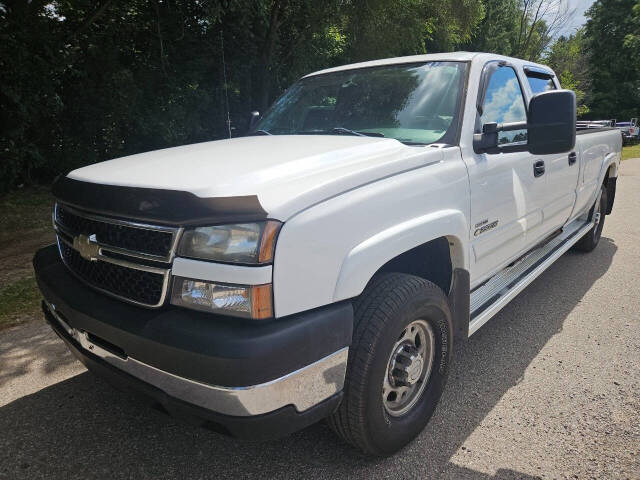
{"type": "Point", "coordinates": [592, 237]}
{"type": "Point", "coordinates": [398, 363]}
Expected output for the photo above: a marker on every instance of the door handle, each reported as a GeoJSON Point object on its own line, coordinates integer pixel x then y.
{"type": "Point", "coordinates": [538, 168]}
{"type": "Point", "coordinates": [573, 158]}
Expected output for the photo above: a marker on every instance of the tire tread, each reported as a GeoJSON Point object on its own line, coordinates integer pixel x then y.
{"type": "Point", "coordinates": [384, 295]}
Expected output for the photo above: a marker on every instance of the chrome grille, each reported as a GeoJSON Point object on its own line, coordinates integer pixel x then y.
{"type": "Point", "coordinates": [121, 236]}
{"type": "Point", "coordinates": [128, 260]}
{"type": "Point", "coordinates": [136, 285]}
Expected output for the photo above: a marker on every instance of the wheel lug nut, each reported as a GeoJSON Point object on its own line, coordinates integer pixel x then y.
{"type": "Point", "coordinates": [410, 350]}
{"type": "Point", "coordinates": [403, 360]}
{"type": "Point", "coordinates": [400, 377]}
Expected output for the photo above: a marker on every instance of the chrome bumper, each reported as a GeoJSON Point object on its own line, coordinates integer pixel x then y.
{"type": "Point", "coordinates": [302, 388]}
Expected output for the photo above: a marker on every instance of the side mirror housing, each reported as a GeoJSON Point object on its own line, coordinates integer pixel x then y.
{"type": "Point", "coordinates": [551, 127]}
{"type": "Point", "coordinates": [486, 141]}
{"type": "Point", "coordinates": [552, 122]}
{"type": "Point", "coordinates": [253, 120]}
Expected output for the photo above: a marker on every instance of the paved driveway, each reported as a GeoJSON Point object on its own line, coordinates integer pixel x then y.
{"type": "Point", "coordinates": [549, 388]}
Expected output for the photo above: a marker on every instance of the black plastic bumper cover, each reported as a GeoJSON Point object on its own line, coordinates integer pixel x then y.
{"type": "Point", "coordinates": [271, 425]}
{"type": "Point", "coordinates": [203, 347]}
{"type": "Point", "coordinates": [217, 350]}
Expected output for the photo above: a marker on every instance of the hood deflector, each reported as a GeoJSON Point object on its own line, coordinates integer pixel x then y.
{"type": "Point", "coordinates": [150, 205]}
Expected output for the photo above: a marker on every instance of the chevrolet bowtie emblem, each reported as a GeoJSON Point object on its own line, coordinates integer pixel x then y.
{"type": "Point", "coordinates": [87, 247]}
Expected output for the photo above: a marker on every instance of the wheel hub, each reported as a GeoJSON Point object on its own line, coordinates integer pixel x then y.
{"type": "Point", "coordinates": [409, 368]}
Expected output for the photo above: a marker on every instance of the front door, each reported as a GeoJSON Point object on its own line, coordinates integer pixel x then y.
{"type": "Point", "coordinates": [506, 191]}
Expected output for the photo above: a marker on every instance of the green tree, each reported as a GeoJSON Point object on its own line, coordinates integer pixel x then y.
{"type": "Point", "coordinates": [85, 80]}
{"type": "Point", "coordinates": [568, 59]}
{"type": "Point", "coordinates": [497, 32]}
{"type": "Point", "coordinates": [632, 39]}
{"type": "Point", "coordinates": [381, 28]}
{"type": "Point", "coordinates": [614, 69]}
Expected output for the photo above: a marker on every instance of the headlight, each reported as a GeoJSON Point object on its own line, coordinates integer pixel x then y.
{"type": "Point", "coordinates": [237, 300]}
{"type": "Point", "coordinates": [236, 243]}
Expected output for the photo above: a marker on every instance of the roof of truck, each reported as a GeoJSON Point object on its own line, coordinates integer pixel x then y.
{"type": "Point", "coordinates": [433, 57]}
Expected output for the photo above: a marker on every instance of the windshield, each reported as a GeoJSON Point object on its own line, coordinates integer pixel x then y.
{"type": "Point", "coordinates": [415, 104]}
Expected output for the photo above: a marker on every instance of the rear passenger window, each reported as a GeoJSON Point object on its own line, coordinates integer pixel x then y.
{"type": "Point", "coordinates": [540, 84]}
{"type": "Point", "coordinates": [504, 103]}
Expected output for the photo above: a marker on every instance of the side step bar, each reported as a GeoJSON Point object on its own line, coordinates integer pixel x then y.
{"type": "Point", "coordinates": [492, 296]}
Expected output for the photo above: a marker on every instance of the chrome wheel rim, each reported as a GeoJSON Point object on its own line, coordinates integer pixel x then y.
{"type": "Point", "coordinates": [409, 368]}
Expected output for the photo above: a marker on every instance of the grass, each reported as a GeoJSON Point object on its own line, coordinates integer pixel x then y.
{"type": "Point", "coordinates": [17, 300]}
{"type": "Point", "coordinates": [632, 151]}
{"type": "Point", "coordinates": [25, 209]}
{"type": "Point", "coordinates": [25, 225]}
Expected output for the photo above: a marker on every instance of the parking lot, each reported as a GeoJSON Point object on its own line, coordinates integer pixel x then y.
{"type": "Point", "coordinates": [550, 388]}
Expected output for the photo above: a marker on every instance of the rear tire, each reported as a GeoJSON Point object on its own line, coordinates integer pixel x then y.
{"type": "Point", "coordinates": [592, 237]}
{"type": "Point", "coordinates": [402, 344]}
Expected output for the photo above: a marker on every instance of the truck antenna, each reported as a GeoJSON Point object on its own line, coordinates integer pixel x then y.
{"type": "Point", "coordinates": [226, 93]}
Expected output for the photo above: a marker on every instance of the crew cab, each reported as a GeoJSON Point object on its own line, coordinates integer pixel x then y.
{"type": "Point", "coordinates": [326, 264]}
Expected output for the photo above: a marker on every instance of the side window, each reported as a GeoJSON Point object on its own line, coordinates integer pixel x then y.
{"type": "Point", "coordinates": [504, 103]}
{"type": "Point", "coordinates": [540, 84]}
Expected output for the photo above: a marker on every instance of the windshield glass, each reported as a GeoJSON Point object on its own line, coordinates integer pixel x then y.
{"type": "Point", "coordinates": [415, 104]}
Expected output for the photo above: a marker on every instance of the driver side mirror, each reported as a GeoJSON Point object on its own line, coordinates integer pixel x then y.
{"type": "Point", "coordinates": [552, 122]}
{"type": "Point", "coordinates": [551, 127]}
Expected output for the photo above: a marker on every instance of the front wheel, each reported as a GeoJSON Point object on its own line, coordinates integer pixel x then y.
{"type": "Point", "coordinates": [398, 363]}
{"type": "Point", "coordinates": [592, 237]}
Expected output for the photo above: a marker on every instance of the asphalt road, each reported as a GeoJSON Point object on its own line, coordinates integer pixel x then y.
{"type": "Point", "coordinates": [549, 388]}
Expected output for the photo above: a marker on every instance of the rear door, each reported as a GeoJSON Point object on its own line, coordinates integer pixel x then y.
{"type": "Point", "coordinates": [506, 194]}
{"type": "Point", "coordinates": [561, 169]}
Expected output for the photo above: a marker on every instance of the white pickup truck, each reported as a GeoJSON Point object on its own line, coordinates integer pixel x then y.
{"type": "Point", "coordinates": [325, 265]}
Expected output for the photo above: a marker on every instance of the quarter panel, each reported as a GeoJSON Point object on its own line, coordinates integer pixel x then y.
{"type": "Point", "coordinates": [597, 151]}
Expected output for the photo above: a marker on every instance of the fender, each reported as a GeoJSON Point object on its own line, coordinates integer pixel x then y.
{"type": "Point", "coordinates": [366, 258]}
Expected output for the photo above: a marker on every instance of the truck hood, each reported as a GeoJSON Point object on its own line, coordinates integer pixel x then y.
{"type": "Point", "coordinates": [287, 173]}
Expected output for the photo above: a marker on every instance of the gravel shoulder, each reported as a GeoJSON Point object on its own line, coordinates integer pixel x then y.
{"type": "Point", "coordinates": [549, 388]}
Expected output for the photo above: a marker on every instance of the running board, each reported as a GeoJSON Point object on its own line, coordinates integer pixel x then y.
{"type": "Point", "coordinates": [492, 296]}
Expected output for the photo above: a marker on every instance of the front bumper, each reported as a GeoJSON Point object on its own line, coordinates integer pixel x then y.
{"type": "Point", "coordinates": [283, 374]}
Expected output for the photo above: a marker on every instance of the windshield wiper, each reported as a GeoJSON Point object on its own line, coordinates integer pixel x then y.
{"type": "Point", "coordinates": [259, 132]}
{"type": "Point", "coordinates": [341, 130]}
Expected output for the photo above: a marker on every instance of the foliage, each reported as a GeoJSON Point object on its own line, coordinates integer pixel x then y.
{"type": "Point", "coordinates": [497, 32]}
{"type": "Point", "coordinates": [567, 58]}
{"type": "Point", "coordinates": [632, 39]}
{"type": "Point", "coordinates": [614, 68]}
{"type": "Point", "coordinates": [520, 28]}
{"type": "Point", "coordinates": [84, 81]}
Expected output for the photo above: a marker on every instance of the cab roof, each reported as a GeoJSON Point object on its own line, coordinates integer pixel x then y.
{"type": "Point", "coordinates": [433, 57]}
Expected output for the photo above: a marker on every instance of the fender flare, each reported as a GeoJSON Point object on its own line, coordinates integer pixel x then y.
{"type": "Point", "coordinates": [609, 160]}
{"type": "Point", "coordinates": [366, 258]}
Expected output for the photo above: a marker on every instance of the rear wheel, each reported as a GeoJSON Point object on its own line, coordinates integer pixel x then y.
{"type": "Point", "coordinates": [398, 363]}
{"type": "Point", "coordinates": [592, 237]}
